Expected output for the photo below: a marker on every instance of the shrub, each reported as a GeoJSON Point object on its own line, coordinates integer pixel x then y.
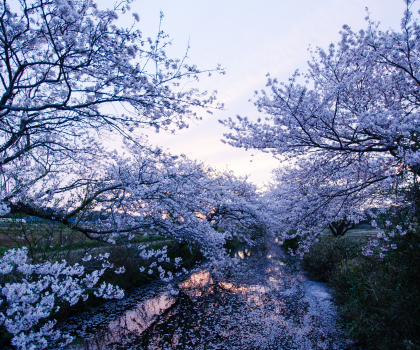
{"type": "Point", "coordinates": [324, 257]}
{"type": "Point", "coordinates": [379, 300]}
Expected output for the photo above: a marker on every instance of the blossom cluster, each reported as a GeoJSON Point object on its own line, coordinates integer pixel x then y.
{"type": "Point", "coordinates": [158, 263]}
{"type": "Point", "coordinates": [30, 294]}
{"type": "Point", "coordinates": [386, 239]}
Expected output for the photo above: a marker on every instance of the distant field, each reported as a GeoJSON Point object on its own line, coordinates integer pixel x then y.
{"type": "Point", "coordinates": [59, 240]}
{"type": "Point", "coordinates": [361, 230]}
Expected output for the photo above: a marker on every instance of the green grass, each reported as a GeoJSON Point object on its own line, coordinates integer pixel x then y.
{"type": "Point", "coordinates": [3, 250]}
{"type": "Point", "coordinates": [88, 244]}
{"type": "Point", "coordinates": [49, 240]}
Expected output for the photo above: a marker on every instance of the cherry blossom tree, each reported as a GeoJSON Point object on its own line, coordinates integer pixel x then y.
{"type": "Point", "coordinates": [71, 81]}
{"type": "Point", "coordinates": [349, 137]}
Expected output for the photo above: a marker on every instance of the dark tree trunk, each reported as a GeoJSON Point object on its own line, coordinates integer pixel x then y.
{"type": "Point", "coordinates": [339, 228]}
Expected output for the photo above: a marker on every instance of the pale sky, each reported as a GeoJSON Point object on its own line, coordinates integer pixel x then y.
{"type": "Point", "coordinates": [249, 39]}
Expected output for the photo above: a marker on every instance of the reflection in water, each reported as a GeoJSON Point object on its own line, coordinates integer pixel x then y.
{"type": "Point", "coordinates": [197, 281]}
{"type": "Point", "coordinates": [263, 306]}
{"type": "Point", "coordinates": [131, 324]}
{"type": "Point", "coordinates": [243, 254]}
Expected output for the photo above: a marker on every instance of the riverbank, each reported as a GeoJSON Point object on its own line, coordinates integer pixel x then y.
{"type": "Point", "coordinates": [378, 298]}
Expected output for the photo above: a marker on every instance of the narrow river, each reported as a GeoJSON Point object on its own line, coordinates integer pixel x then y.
{"type": "Point", "coordinates": [266, 304]}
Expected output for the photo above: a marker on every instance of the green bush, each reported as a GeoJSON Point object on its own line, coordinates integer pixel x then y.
{"type": "Point", "coordinates": [379, 301]}
{"type": "Point", "coordinates": [324, 257]}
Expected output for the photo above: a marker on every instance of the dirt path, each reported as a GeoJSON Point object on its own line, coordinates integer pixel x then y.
{"type": "Point", "coordinates": [268, 304]}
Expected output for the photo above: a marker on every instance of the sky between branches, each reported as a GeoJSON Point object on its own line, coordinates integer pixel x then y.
{"type": "Point", "coordinates": [249, 39]}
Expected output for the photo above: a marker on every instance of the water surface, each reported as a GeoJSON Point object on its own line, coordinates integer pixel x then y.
{"type": "Point", "coordinates": [265, 303]}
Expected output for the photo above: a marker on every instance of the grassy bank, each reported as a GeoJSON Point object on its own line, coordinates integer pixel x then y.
{"type": "Point", "coordinates": [379, 301]}
{"type": "Point", "coordinates": [57, 241]}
